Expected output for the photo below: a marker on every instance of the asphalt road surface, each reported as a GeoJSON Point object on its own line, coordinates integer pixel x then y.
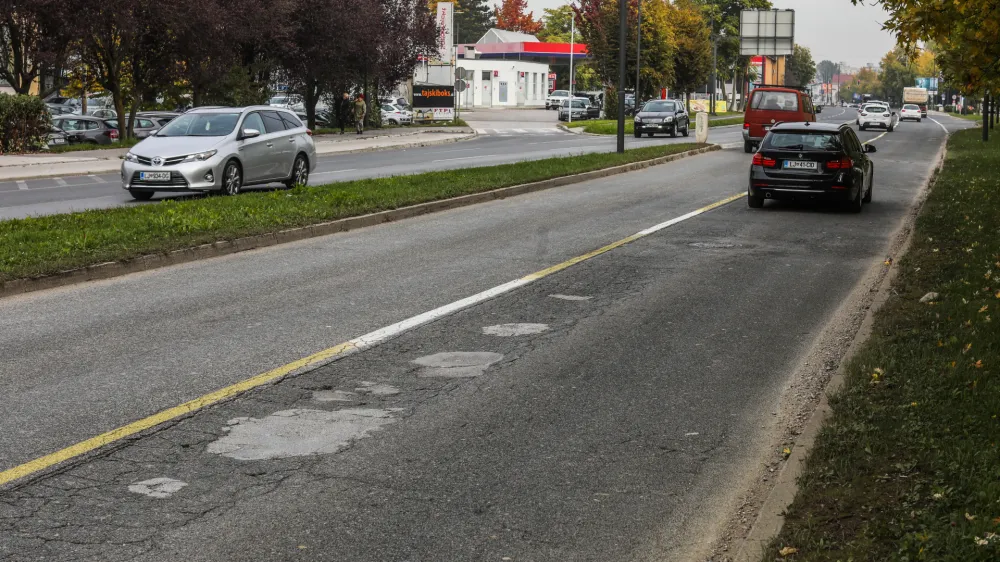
{"type": "Point", "coordinates": [605, 429]}
{"type": "Point", "coordinates": [513, 136]}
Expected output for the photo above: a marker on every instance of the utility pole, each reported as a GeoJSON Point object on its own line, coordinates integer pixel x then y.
{"type": "Point", "coordinates": [638, 47]}
{"type": "Point", "coordinates": [572, 33]}
{"type": "Point", "coordinates": [986, 119]}
{"type": "Point", "coordinates": [622, 33]}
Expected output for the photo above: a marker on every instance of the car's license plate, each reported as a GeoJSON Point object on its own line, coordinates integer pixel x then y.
{"type": "Point", "coordinates": [799, 165]}
{"type": "Point", "coordinates": [154, 176]}
{"type": "Point", "coordinates": [57, 141]}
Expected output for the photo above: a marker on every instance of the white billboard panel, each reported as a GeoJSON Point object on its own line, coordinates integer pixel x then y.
{"type": "Point", "coordinates": [446, 30]}
{"type": "Point", "coordinates": [769, 33]}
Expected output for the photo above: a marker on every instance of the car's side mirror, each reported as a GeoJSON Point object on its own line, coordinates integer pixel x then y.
{"type": "Point", "coordinates": [870, 148]}
{"type": "Point", "coordinates": [250, 134]}
{"type": "Point", "coordinates": [819, 110]}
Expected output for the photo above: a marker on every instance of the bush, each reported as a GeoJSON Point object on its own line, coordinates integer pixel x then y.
{"type": "Point", "coordinates": [24, 123]}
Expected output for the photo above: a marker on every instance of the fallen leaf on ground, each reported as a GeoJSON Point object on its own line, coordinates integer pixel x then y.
{"type": "Point", "coordinates": [787, 551]}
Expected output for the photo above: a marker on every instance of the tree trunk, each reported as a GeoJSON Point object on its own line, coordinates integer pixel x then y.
{"type": "Point", "coordinates": [131, 116]}
{"type": "Point", "coordinates": [312, 93]}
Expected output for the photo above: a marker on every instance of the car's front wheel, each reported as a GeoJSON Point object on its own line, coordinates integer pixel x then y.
{"type": "Point", "coordinates": [232, 179]}
{"type": "Point", "coordinates": [141, 195]}
{"type": "Point", "coordinates": [687, 129]}
{"type": "Point", "coordinates": [300, 173]}
{"type": "Point", "coordinates": [637, 133]}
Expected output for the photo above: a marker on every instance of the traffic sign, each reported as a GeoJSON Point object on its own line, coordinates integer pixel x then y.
{"type": "Point", "coordinates": [460, 85]}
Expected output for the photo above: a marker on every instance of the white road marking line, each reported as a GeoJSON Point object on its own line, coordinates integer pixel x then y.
{"type": "Point", "coordinates": [876, 138]}
{"type": "Point", "coordinates": [60, 182]}
{"type": "Point", "coordinates": [98, 179]}
{"type": "Point", "coordinates": [22, 185]}
{"type": "Point", "coordinates": [939, 124]}
{"type": "Point", "coordinates": [522, 131]}
{"type": "Point", "coordinates": [456, 150]}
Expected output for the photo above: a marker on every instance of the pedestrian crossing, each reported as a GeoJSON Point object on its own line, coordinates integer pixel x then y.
{"type": "Point", "coordinates": [535, 131]}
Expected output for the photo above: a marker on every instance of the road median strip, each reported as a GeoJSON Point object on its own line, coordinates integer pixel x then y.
{"type": "Point", "coordinates": [610, 126]}
{"type": "Point", "coordinates": [905, 466]}
{"type": "Point", "coordinates": [56, 250]}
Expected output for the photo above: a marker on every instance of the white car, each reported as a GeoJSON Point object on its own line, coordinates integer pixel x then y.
{"type": "Point", "coordinates": [875, 115]}
{"type": "Point", "coordinates": [910, 111]}
{"type": "Point", "coordinates": [556, 98]}
{"type": "Point", "coordinates": [392, 113]}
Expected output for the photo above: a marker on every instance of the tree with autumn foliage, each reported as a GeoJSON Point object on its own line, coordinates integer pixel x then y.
{"type": "Point", "coordinates": [512, 15]}
{"type": "Point", "coordinates": [693, 57]}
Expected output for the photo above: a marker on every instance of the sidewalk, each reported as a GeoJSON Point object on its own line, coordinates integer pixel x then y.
{"type": "Point", "coordinates": [86, 162]}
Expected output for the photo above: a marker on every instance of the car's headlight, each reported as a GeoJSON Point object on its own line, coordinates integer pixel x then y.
{"type": "Point", "coordinates": [638, 119]}
{"type": "Point", "coordinates": [668, 119]}
{"type": "Point", "coordinates": [131, 157]}
{"type": "Point", "coordinates": [200, 157]}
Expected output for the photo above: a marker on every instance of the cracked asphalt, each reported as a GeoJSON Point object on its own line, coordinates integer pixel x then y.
{"type": "Point", "coordinates": [615, 433]}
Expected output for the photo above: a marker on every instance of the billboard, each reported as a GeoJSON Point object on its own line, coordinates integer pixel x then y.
{"type": "Point", "coordinates": [770, 33]}
{"type": "Point", "coordinates": [927, 83]}
{"type": "Point", "coordinates": [446, 30]}
{"type": "Point", "coordinates": [433, 103]}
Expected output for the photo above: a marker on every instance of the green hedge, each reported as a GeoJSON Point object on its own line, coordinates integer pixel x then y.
{"type": "Point", "coordinates": [24, 123]}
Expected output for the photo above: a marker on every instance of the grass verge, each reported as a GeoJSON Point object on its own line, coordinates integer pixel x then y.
{"type": "Point", "coordinates": [908, 465]}
{"type": "Point", "coordinates": [87, 146]}
{"type": "Point", "coordinates": [968, 117]}
{"type": "Point", "coordinates": [50, 244]}
{"type": "Point", "coordinates": [610, 126]}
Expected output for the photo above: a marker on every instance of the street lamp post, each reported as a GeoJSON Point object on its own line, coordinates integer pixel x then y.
{"type": "Point", "coordinates": [638, 48]}
{"type": "Point", "coordinates": [622, 33]}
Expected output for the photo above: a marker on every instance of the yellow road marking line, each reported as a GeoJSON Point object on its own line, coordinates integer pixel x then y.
{"type": "Point", "coordinates": [322, 357]}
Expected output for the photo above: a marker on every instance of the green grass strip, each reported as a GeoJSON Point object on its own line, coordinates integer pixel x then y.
{"type": "Point", "coordinates": [49, 244]}
{"type": "Point", "coordinates": [968, 117]}
{"type": "Point", "coordinates": [908, 466]}
{"type": "Point", "coordinates": [88, 146]}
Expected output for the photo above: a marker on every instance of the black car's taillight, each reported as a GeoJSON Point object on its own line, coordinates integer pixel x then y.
{"type": "Point", "coordinates": [761, 160]}
{"type": "Point", "coordinates": [844, 163]}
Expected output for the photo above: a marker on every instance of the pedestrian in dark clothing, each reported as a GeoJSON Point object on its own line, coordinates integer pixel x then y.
{"type": "Point", "coordinates": [360, 110]}
{"type": "Point", "coordinates": [344, 110]}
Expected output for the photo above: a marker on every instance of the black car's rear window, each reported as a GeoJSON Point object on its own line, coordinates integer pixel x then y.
{"type": "Point", "coordinates": [803, 140]}
{"type": "Point", "coordinates": [774, 101]}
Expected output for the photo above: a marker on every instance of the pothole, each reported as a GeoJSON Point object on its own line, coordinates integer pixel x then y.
{"type": "Point", "coordinates": [571, 297]}
{"type": "Point", "coordinates": [509, 330]}
{"type": "Point", "coordinates": [157, 487]}
{"type": "Point", "coordinates": [297, 432]}
{"type": "Point", "coordinates": [456, 364]}
{"type": "Point", "coordinates": [711, 245]}
{"type": "Point", "coordinates": [376, 389]}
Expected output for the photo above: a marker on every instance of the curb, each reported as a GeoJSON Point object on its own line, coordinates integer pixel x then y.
{"type": "Point", "coordinates": [468, 136]}
{"type": "Point", "coordinates": [770, 518]}
{"type": "Point", "coordinates": [108, 270]}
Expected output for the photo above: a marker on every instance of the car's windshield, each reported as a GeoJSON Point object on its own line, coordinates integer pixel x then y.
{"type": "Point", "coordinates": [659, 106]}
{"type": "Point", "coordinates": [576, 103]}
{"type": "Point", "coordinates": [201, 125]}
{"type": "Point", "coordinates": [775, 101]}
{"type": "Point", "coordinates": [803, 140]}
{"type": "Point", "coordinates": [559, 93]}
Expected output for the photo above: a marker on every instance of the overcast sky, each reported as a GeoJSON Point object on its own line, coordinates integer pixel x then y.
{"type": "Point", "coordinates": [832, 29]}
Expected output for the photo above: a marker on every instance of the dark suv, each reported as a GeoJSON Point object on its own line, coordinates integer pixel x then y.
{"type": "Point", "coordinates": [86, 129]}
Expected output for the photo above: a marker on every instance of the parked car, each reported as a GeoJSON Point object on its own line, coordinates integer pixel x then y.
{"type": "Point", "coordinates": [102, 113]}
{"type": "Point", "coordinates": [56, 137]}
{"type": "Point", "coordinates": [771, 105]}
{"type": "Point", "coordinates": [87, 129]}
{"type": "Point", "coordinates": [287, 101]}
{"type": "Point", "coordinates": [60, 100]}
{"type": "Point", "coordinates": [877, 115]}
{"type": "Point", "coordinates": [58, 109]}
{"type": "Point", "coordinates": [812, 161]}
{"type": "Point", "coordinates": [141, 128]}
{"type": "Point", "coordinates": [661, 116]}
{"type": "Point", "coordinates": [398, 102]}
{"type": "Point", "coordinates": [396, 115]}
{"type": "Point", "coordinates": [582, 109]}
{"type": "Point", "coordinates": [221, 150]}
{"type": "Point", "coordinates": [554, 100]}
{"type": "Point", "coordinates": [161, 118]}
{"type": "Point", "coordinates": [910, 111]}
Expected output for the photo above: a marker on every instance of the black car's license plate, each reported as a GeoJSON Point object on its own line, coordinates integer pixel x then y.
{"type": "Point", "coordinates": [799, 165]}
